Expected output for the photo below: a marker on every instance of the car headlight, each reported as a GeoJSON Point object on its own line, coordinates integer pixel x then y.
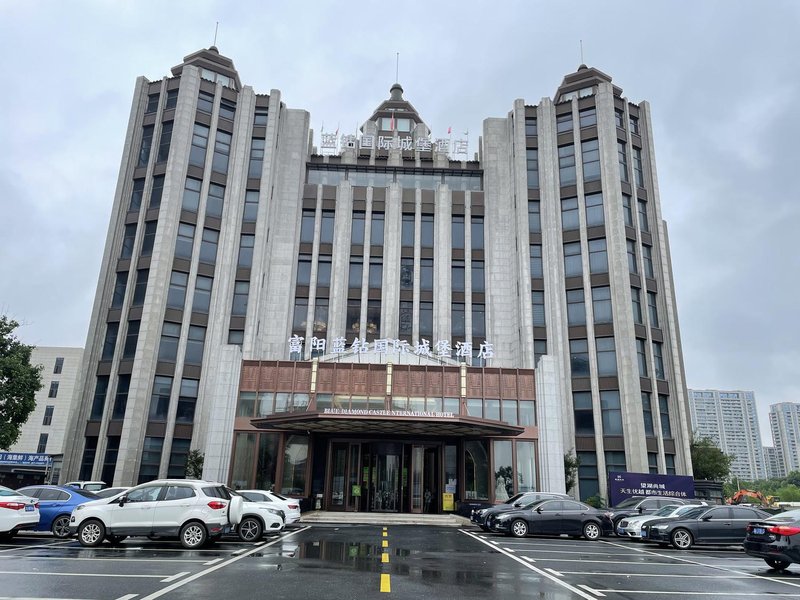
{"type": "Point", "coordinates": [659, 527]}
{"type": "Point", "coordinates": [79, 507]}
{"type": "Point", "coordinates": [480, 512]}
{"type": "Point", "coordinates": [503, 517]}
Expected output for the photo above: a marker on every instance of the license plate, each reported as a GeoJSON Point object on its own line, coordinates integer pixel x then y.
{"type": "Point", "coordinates": [29, 508]}
{"type": "Point", "coordinates": [759, 530]}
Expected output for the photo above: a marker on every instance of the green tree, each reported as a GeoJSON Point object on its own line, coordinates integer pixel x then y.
{"type": "Point", "coordinates": [194, 464]}
{"type": "Point", "coordinates": [571, 464]}
{"type": "Point", "coordinates": [708, 461]}
{"type": "Point", "coordinates": [19, 382]}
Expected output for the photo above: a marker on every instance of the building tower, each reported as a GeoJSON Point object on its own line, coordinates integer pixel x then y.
{"type": "Point", "coordinates": [260, 299]}
{"type": "Point", "coordinates": [784, 421]}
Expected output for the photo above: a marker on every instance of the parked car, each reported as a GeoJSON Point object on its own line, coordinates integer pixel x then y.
{"type": "Point", "coordinates": [55, 506]}
{"type": "Point", "coordinates": [92, 486]}
{"type": "Point", "coordinates": [775, 539]}
{"type": "Point", "coordinates": [640, 505]}
{"type": "Point", "coordinates": [552, 517]}
{"type": "Point", "coordinates": [289, 506]}
{"type": "Point", "coordinates": [703, 525]}
{"type": "Point", "coordinates": [111, 492]}
{"type": "Point", "coordinates": [479, 515]}
{"type": "Point", "coordinates": [258, 518]}
{"type": "Point", "coordinates": [196, 512]}
{"type": "Point", "coordinates": [17, 511]}
{"type": "Point", "coordinates": [631, 527]}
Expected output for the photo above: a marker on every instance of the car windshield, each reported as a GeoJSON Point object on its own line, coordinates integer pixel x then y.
{"type": "Point", "coordinates": [682, 510]}
{"type": "Point", "coordinates": [84, 493]}
{"type": "Point", "coordinates": [628, 503]}
{"type": "Point", "coordinates": [665, 511]}
{"type": "Point", "coordinates": [534, 503]}
{"type": "Point", "coordinates": [695, 512]}
{"type": "Point", "coordinates": [786, 517]}
{"type": "Point", "coordinates": [8, 492]}
{"type": "Point", "coordinates": [514, 498]}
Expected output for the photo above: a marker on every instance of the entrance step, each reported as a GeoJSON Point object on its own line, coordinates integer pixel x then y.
{"type": "Point", "coordinates": [367, 518]}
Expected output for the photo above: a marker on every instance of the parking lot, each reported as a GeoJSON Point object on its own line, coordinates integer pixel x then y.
{"type": "Point", "coordinates": [367, 561]}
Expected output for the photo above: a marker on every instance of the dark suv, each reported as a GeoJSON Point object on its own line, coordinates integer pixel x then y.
{"type": "Point", "coordinates": [640, 505]}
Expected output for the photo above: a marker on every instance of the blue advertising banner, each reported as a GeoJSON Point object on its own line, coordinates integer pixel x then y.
{"type": "Point", "coordinates": [26, 459]}
{"type": "Point", "coordinates": [623, 485]}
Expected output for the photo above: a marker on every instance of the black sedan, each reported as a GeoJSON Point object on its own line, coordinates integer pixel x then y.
{"type": "Point", "coordinates": [776, 539]}
{"type": "Point", "coordinates": [718, 525]}
{"type": "Point", "coordinates": [552, 517]}
{"type": "Point", "coordinates": [521, 500]}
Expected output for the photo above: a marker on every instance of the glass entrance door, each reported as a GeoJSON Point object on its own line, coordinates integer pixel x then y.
{"type": "Point", "coordinates": [425, 487]}
{"type": "Point", "coordinates": [384, 483]}
{"type": "Point", "coordinates": [345, 493]}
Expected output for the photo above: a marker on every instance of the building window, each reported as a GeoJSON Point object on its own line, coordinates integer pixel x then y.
{"type": "Point", "coordinates": [326, 229]}
{"type": "Point", "coordinates": [307, 227]}
{"type": "Point", "coordinates": [476, 228]}
{"type": "Point", "coordinates": [42, 446]}
{"type": "Point", "coordinates": [376, 230]}
{"type": "Point", "coordinates": [304, 270]}
{"type": "Point", "coordinates": [566, 164]}
{"type": "Point", "coordinates": [457, 232]}
{"type": "Point", "coordinates": [638, 169]}
{"type": "Point", "coordinates": [187, 401]}
{"type": "Point", "coordinates": [641, 357]}
{"type": "Point", "coordinates": [587, 475]}
{"type": "Point", "coordinates": [588, 117]}
{"type": "Point", "coordinates": [611, 411]}
{"type": "Point", "coordinates": [647, 259]}
{"type": "Point", "coordinates": [185, 241]}
{"type": "Point", "coordinates": [584, 414]}
{"type": "Point", "coordinates": [128, 240]}
{"type": "Point", "coordinates": [157, 191]}
{"type": "Point", "coordinates": [627, 210]}
{"type": "Point", "coordinates": [119, 289]}
{"type": "Point", "coordinates": [168, 347]}
{"type": "Point", "coordinates": [636, 305]}
{"type": "Point", "coordinates": [140, 288]}
{"type": "Point", "coordinates": [110, 341]}
{"type": "Point", "coordinates": [215, 200]}
{"type": "Point", "coordinates": [537, 267]}
{"type": "Point", "coordinates": [539, 349]}
{"type": "Point", "coordinates": [357, 271]}
{"type": "Point", "coordinates": [426, 231]}
{"type": "Point", "coordinates": [241, 290]}
{"type": "Point", "coordinates": [570, 219]}
{"type": "Point", "coordinates": [658, 360]}
{"type": "Point", "coordinates": [663, 409]}
{"type": "Point", "coordinates": [564, 123]}
{"type": "Point", "coordinates": [573, 266]}
{"type": "Point", "coordinates": [136, 195]}
{"type": "Point", "coordinates": [634, 121]}
{"type": "Point", "coordinates": [407, 232]}
{"type": "Point", "coordinates": [478, 277]}
{"type": "Point", "coordinates": [644, 224]}
{"type": "Point", "coordinates": [375, 276]}
{"type": "Point", "coordinates": [195, 342]}
{"type": "Point", "coordinates": [601, 304]}
{"type": "Point", "coordinates": [353, 323]}
{"type": "Point", "coordinates": [530, 126]}
{"type": "Point", "coordinates": [197, 153]}
{"type": "Point", "coordinates": [59, 365]}
{"type": "Point", "coordinates": [202, 294]}
{"type": "Point", "coordinates": [647, 414]}
{"type": "Point", "coordinates": [619, 118]}
{"type": "Point", "coordinates": [652, 462]}
{"type": "Point", "coordinates": [623, 161]}
{"type": "Point", "coordinates": [373, 318]}
{"type": "Point", "coordinates": [615, 462]}
{"type": "Point", "coordinates": [191, 194]}
{"type": "Point", "coordinates": [99, 400]}
{"type": "Point", "coordinates": [534, 216]}
{"type": "Point", "coordinates": [590, 157]}
{"type": "Point", "coordinates": [631, 248]}
{"type": "Point", "coordinates": [652, 309]}
{"type": "Point", "coordinates": [457, 273]}
{"type": "Point", "coordinates": [178, 457]}
{"type": "Point", "coordinates": [478, 324]}
{"type": "Point", "coordinates": [205, 102]}
{"type": "Point", "coordinates": [261, 117]}
{"type": "Point", "coordinates": [606, 357]}
{"type": "Point", "coordinates": [121, 398]}
{"type": "Point", "coordinates": [320, 327]}
{"type": "Point", "coordinates": [222, 151]}
{"type": "Point", "coordinates": [532, 165]}
{"type": "Point", "coordinates": [131, 339]}
{"type": "Point", "coordinates": [576, 308]}
{"type": "Point", "coordinates": [669, 463]}
{"type": "Point", "coordinates": [208, 246]}
{"type": "Point", "coordinates": [152, 103]}
{"type": "Point", "coordinates": [257, 147]}
{"type": "Point", "coordinates": [300, 315]}
{"type": "Point", "coordinates": [48, 414]}
{"type": "Point", "coordinates": [236, 337]}
{"type": "Point", "coordinates": [147, 143]}
{"type": "Point", "coordinates": [598, 256]}
{"type": "Point", "coordinates": [425, 320]}
{"type": "Point", "coordinates": [594, 209]}
{"type": "Point", "coordinates": [227, 109]}
{"type": "Point", "coordinates": [537, 300]}
{"type": "Point", "coordinates": [426, 274]}
{"type": "Point", "coordinates": [172, 99]}
{"type": "Point", "coordinates": [459, 320]}
{"type": "Point", "coordinates": [357, 228]}
{"type": "Point", "coordinates": [164, 142]}
{"type": "Point", "coordinates": [250, 214]}
{"type": "Point", "coordinates": [176, 295]}
{"type": "Point", "coordinates": [53, 390]}
{"type": "Point", "coordinates": [87, 461]}
{"type": "Point", "coordinates": [247, 243]}
{"type": "Point", "coordinates": [151, 459]}
{"type": "Point", "coordinates": [579, 358]}
{"type": "Point", "coordinates": [149, 239]}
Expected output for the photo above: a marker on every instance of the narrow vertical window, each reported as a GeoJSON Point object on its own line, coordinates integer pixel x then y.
{"type": "Point", "coordinates": [164, 142]}
{"type": "Point", "coordinates": [146, 145]}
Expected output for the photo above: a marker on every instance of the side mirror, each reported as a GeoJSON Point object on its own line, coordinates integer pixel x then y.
{"type": "Point", "coordinates": [516, 504]}
{"type": "Point", "coordinates": [539, 509]}
{"type": "Point", "coordinates": [706, 518]}
{"type": "Point", "coordinates": [123, 500]}
{"type": "Point", "coordinates": [640, 509]}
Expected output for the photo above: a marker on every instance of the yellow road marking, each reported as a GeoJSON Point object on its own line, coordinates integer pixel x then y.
{"type": "Point", "coordinates": [386, 584]}
{"type": "Point", "coordinates": [385, 528]}
{"type": "Point", "coordinates": [385, 543]}
{"type": "Point", "coordinates": [385, 557]}
{"type": "Point", "coordinates": [385, 534]}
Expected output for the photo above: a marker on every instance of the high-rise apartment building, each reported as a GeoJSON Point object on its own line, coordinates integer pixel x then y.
{"type": "Point", "coordinates": [730, 419]}
{"type": "Point", "coordinates": [378, 323]}
{"type": "Point", "coordinates": [784, 421]}
{"type": "Point", "coordinates": [45, 431]}
{"type": "Point", "coordinates": [773, 461]}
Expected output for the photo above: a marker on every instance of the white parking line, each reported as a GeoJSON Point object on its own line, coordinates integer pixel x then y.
{"type": "Point", "coordinates": [554, 572]}
{"type": "Point", "coordinates": [704, 593]}
{"type": "Point", "coordinates": [121, 559]}
{"type": "Point", "coordinates": [528, 558]}
{"type": "Point", "coordinates": [527, 565]}
{"type": "Point", "coordinates": [127, 597]}
{"type": "Point", "coordinates": [174, 577]}
{"type": "Point", "coordinates": [213, 562]}
{"type": "Point", "coordinates": [61, 543]}
{"type": "Point", "coordinates": [37, 573]}
{"type": "Point", "coordinates": [509, 550]}
{"type": "Point", "coordinates": [591, 590]}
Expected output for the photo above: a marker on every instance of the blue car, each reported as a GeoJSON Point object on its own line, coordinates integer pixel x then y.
{"type": "Point", "coordinates": [55, 506]}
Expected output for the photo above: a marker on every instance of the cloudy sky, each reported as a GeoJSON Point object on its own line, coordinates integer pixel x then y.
{"type": "Point", "coordinates": [721, 77]}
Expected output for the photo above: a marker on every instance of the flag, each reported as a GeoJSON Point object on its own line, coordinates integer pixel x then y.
{"type": "Point", "coordinates": [391, 123]}
{"type": "Point", "coordinates": [449, 130]}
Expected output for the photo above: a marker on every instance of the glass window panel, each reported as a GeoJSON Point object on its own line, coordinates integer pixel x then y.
{"type": "Point", "coordinates": [503, 470]}
{"type": "Point", "coordinates": [526, 467]}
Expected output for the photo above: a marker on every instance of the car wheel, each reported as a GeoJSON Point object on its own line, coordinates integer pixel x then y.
{"type": "Point", "coordinates": [115, 540]}
{"type": "Point", "coordinates": [250, 529]}
{"type": "Point", "coordinates": [519, 528]}
{"type": "Point", "coordinates": [591, 531]}
{"type": "Point", "coordinates": [484, 527]}
{"type": "Point", "coordinates": [7, 535]}
{"type": "Point", "coordinates": [193, 535]}
{"type": "Point", "coordinates": [681, 539]}
{"type": "Point", "coordinates": [616, 525]}
{"type": "Point", "coordinates": [91, 533]}
{"type": "Point", "coordinates": [235, 510]}
{"type": "Point", "coordinates": [60, 527]}
{"type": "Point", "coordinates": [778, 565]}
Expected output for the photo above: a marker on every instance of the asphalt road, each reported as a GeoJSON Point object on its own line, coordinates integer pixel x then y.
{"type": "Point", "coordinates": [405, 562]}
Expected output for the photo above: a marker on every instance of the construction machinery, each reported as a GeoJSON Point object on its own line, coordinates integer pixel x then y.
{"type": "Point", "coordinates": [753, 497]}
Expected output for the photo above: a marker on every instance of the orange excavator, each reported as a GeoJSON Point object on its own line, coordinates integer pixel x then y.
{"type": "Point", "coordinates": [749, 495]}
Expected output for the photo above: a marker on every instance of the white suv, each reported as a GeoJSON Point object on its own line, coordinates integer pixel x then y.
{"type": "Point", "coordinates": [193, 511]}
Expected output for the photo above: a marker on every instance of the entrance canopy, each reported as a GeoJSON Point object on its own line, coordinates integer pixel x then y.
{"type": "Point", "coordinates": [387, 422]}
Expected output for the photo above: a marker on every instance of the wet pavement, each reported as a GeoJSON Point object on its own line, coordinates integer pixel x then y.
{"type": "Point", "coordinates": [371, 561]}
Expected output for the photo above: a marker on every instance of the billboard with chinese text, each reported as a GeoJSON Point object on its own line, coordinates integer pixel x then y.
{"type": "Point", "coordinates": [623, 485]}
